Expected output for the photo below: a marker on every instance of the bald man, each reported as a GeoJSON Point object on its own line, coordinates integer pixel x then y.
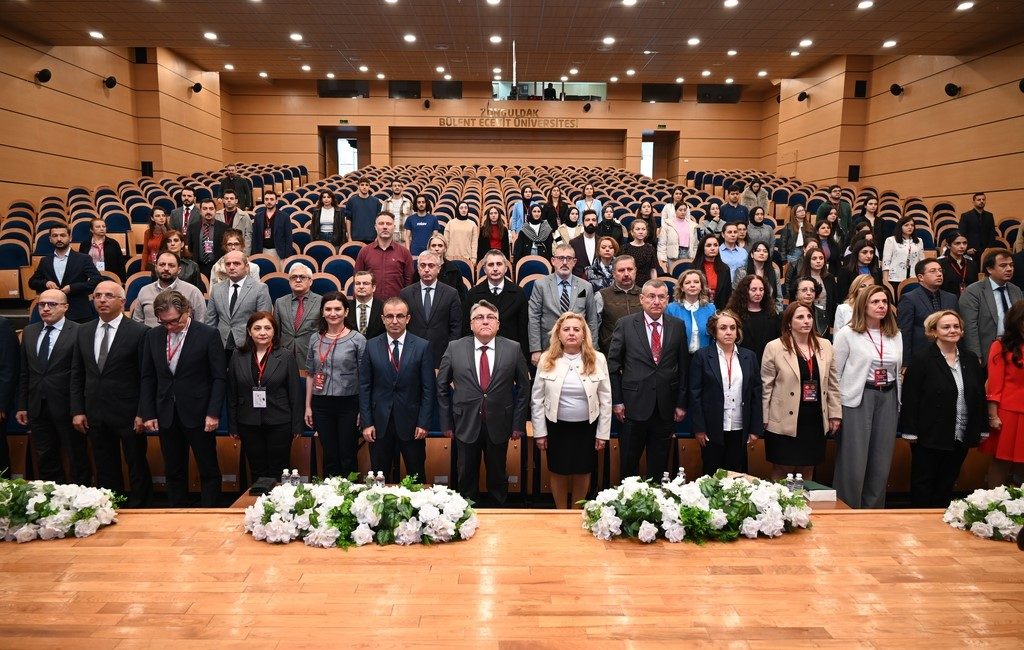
{"type": "Point", "coordinates": [232, 301]}
{"type": "Point", "coordinates": [105, 379]}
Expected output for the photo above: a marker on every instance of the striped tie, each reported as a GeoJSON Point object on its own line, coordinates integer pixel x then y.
{"type": "Point", "coordinates": [564, 302]}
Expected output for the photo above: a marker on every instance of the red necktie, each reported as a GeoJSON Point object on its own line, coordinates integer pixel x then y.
{"type": "Point", "coordinates": [485, 377]}
{"type": "Point", "coordinates": [655, 342]}
{"type": "Point", "coordinates": [185, 219]}
{"type": "Point", "coordinates": [300, 311]}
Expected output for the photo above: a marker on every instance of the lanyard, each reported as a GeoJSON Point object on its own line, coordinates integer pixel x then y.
{"type": "Point", "coordinates": [260, 367]}
{"type": "Point", "coordinates": [330, 350]}
{"type": "Point", "coordinates": [171, 352]}
{"type": "Point", "coordinates": [809, 360]}
{"type": "Point", "coordinates": [962, 271]}
{"type": "Point", "coordinates": [880, 347]}
{"type": "Point", "coordinates": [728, 365]}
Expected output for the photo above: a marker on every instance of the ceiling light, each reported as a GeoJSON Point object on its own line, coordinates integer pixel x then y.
{"type": "Point", "coordinates": [806, 42]}
{"type": "Point", "coordinates": [564, 78]}
{"type": "Point", "coordinates": [629, 3]}
{"type": "Point", "coordinates": [728, 80]}
{"type": "Point", "coordinates": [363, 68]}
{"type": "Point", "coordinates": [296, 36]}
{"type": "Point", "coordinates": [729, 4]}
{"type": "Point", "coordinates": [693, 40]}
{"type": "Point", "coordinates": [380, 75]}
{"type": "Point", "coordinates": [889, 43]}
{"type": "Point", "coordinates": [679, 80]}
{"type": "Point", "coordinates": [495, 39]}
{"type": "Point", "coordinates": [608, 40]}
{"type": "Point", "coordinates": [651, 102]}
{"type": "Point", "coordinates": [330, 75]}
{"type": "Point", "coordinates": [613, 79]}
{"type": "Point", "coordinates": [96, 34]}
{"type": "Point", "coordinates": [263, 75]}
{"type": "Point", "coordinates": [493, 2]}
{"type": "Point", "coordinates": [306, 68]}
{"type": "Point", "coordinates": [646, 52]}
{"type": "Point", "coordinates": [410, 38]}
{"type": "Point", "coordinates": [794, 53]}
{"type": "Point", "coordinates": [391, 2]}
{"type": "Point", "coordinates": [732, 52]}
{"type": "Point", "coordinates": [762, 73]}
{"type": "Point", "coordinates": [228, 66]}
{"type": "Point", "coordinates": [705, 73]}
{"type": "Point", "coordinates": [497, 77]}
{"type": "Point", "coordinates": [865, 4]}
{"type": "Point", "coordinates": [630, 72]}
{"type": "Point", "coordinates": [574, 71]}
{"type": "Point", "coordinates": [964, 6]}
{"type": "Point", "coordinates": [447, 77]}
{"type": "Point", "coordinates": [439, 68]}
{"type": "Point", "coordinates": [210, 36]}
{"type": "Point", "coordinates": [496, 71]}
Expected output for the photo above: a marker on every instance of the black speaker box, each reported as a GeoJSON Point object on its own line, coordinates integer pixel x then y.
{"type": "Point", "coordinates": [718, 93]}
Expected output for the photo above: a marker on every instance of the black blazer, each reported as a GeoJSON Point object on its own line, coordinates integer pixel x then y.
{"type": "Point", "coordinates": [281, 231]}
{"type": "Point", "coordinates": [111, 396]}
{"type": "Point", "coordinates": [51, 382]}
{"type": "Point", "coordinates": [445, 322]}
{"type": "Point", "coordinates": [913, 308]}
{"type": "Point", "coordinates": [286, 396]}
{"type": "Point", "coordinates": [196, 390]}
{"type": "Point", "coordinates": [10, 360]}
{"type": "Point", "coordinates": [374, 322]}
{"type": "Point", "coordinates": [724, 274]}
{"type": "Point", "coordinates": [338, 237]}
{"type": "Point", "coordinates": [582, 261]}
{"type": "Point", "coordinates": [951, 280]}
{"type": "Point", "coordinates": [929, 399]}
{"type": "Point", "coordinates": [195, 243]}
{"type": "Point", "coordinates": [113, 258]}
{"type": "Point", "coordinates": [707, 395]}
{"type": "Point", "coordinates": [846, 278]}
{"type": "Point", "coordinates": [639, 383]}
{"type": "Point", "coordinates": [405, 396]}
{"type": "Point", "coordinates": [980, 230]}
{"type": "Point", "coordinates": [513, 310]}
{"type": "Point", "coordinates": [554, 216]}
{"type": "Point", "coordinates": [81, 275]}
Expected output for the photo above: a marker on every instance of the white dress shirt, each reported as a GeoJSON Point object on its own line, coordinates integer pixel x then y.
{"type": "Point", "coordinates": [589, 245]}
{"type": "Point", "coordinates": [60, 265]}
{"type": "Point", "coordinates": [98, 339]}
{"type": "Point", "coordinates": [1000, 321]}
{"type": "Point", "coordinates": [433, 292]}
{"type": "Point", "coordinates": [57, 327]}
{"type": "Point", "coordinates": [649, 329]}
{"type": "Point", "coordinates": [491, 287]}
{"type": "Point", "coordinates": [175, 342]}
{"type": "Point", "coordinates": [732, 414]}
{"type": "Point", "coordinates": [477, 352]}
{"type": "Point", "coordinates": [401, 345]}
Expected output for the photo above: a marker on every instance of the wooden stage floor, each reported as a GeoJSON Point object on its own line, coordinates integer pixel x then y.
{"type": "Point", "coordinates": [529, 579]}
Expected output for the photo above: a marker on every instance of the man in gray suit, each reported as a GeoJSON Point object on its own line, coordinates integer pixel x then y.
{"type": "Point", "coordinates": [232, 301]}
{"type": "Point", "coordinates": [984, 304]}
{"type": "Point", "coordinates": [298, 313]}
{"type": "Point", "coordinates": [483, 393]}
{"type": "Point", "coordinates": [556, 294]}
{"type": "Point", "coordinates": [435, 313]}
{"type": "Point", "coordinates": [186, 214]}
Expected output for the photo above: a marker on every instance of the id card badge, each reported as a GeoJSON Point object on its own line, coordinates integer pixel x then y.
{"type": "Point", "coordinates": [319, 381]}
{"type": "Point", "coordinates": [259, 398]}
{"type": "Point", "coordinates": [101, 266]}
{"type": "Point", "coordinates": [809, 391]}
{"type": "Point", "coordinates": [207, 247]}
{"type": "Point", "coordinates": [266, 233]}
{"type": "Point", "coordinates": [730, 402]}
{"type": "Point", "coordinates": [881, 377]}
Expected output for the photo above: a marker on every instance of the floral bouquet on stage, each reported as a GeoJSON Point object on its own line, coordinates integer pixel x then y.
{"type": "Point", "coordinates": [716, 507]}
{"type": "Point", "coordinates": [991, 514]}
{"type": "Point", "coordinates": [46, 510]}
{"type": "Point", "coordinates": [342, 512]}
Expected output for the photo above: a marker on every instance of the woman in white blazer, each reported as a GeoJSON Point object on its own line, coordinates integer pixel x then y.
{"type": "Point", "coordinates": [869, 354]}
{"type": "Point", "coordinates": [679, 235]}
{"type": "Point", "coordinates": [901, 253]}
{"type": "Point", "coordinates": [572, 407]}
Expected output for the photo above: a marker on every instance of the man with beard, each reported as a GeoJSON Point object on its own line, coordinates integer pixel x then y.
{"type": "Point", "coordinates": [619, 300]}
{"type": "Point", "coordinates": [235, 216]}
{"type": "Point", "coordinates": [69, 272]}
{"type": "Point", "coordinates": [183, 216]}
{"type": "Point", "coordinates": [585, 245]}
{"type": "Point", "coordinates": [240, 187]}
{"type": "Point", "coordinates": [167, 267]}
{"type": "Point", "coordinates": [556, 294]}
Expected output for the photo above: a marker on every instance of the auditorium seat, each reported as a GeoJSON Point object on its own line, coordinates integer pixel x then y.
{"type": "Point", "coordinates": [340, 266]}
{"type": "Point", "coordinates": [266, 263]}
{"type": "Point", "coordinates": [277, 284]}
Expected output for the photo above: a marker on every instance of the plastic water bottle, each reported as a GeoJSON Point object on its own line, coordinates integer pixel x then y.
{"type": "Point", "coordinates": [665, 479]}
{"type": "Point", "coordinates": [370, 481]}
{"type": "Point", "coordinates": [296, 479]}
{"type": "Point", "coordinates": [681, 475]}
{"type": "Point", "coordinates": [285, 477]}
{"type": "Point", "coordinates": [790, 481]}
{"type": "Point", "coordinates": [798, 484]}
{"type": "Point", "coordinates": [380, 479]}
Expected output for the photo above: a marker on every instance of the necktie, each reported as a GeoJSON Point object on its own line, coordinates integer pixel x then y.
{"type": "Point", "coordinates": [495, 289]}
{"type": "Point", "coordinates": [564, 301]}
{"type": "Point", "coordinates": [44, 348]}
{"type": "Point", "coordinates": [300, 311]}
{"type": "Point", "coordinates": [362, 319]}
{"type": "Point", "coordinates": [427, 303]}
{"type": "Point", "coordinates": [101, 360]}
{"type": "Point", "coordinates": [655, 342]}
{"type": "Point", "coordinates": [485, 369]}
{"type": "Point", "coordinates": [234, 299]}
{"type": "Point", "coordinates": [1004, 299]}
{"type": "Point", "coordinates": [186, 217]}
{"type": "Point", "coordinates": [394, 354]}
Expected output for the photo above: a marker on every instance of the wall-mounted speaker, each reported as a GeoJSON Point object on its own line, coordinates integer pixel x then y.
{"type": "Point", "coordinates": [860, 88]}
{"type": "Point", "coordinates": [44, 76]}
{"type": "Point", "coordinates": [426, 104]}
{"type": "Point", "coordinates": [896, 89]}
{"type": "Point", "coordinates": [953, 90]}
{"type": "Point", "coordinates": [803, 96]}
{"type": "Point", "coordinates": [853, 173]}
{"type": "Point", "coordinates": [147, 167]}
{"type": "Point", "coordinates": [717, 93]}
{"type": "Point", "coordinates": [110, 81]}
{"type": "Point", "coordinates": [197, 87]}
{"type": "Point", "coordinates": [587, 107]}
{"type": "Point", "coordinates": [1020, 86]}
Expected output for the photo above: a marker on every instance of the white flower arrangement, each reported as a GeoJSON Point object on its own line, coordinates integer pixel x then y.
{"type": "Point", "coordinates": [46, 510]}
{"type": "Point", "coordinates": [990, 514]}
{"type": "Point", "coordinates": [711, 508]}
{"type": "Point", "coordinates": [340, 512]}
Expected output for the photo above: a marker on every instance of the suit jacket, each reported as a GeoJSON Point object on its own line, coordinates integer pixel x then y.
{"type": "Point", "coordinates": [242, 188]}
{"type": "Point", "coordinates": [338, 236]}
{"type": "Point", "coordinates": [242, 221]}
{"type": "Point", "coordinates": [404, 396]}
{"type": "Point", "coordinates": [374, 323]}
{"type": "Point", "coordinates": [286, 393]}
{"type": "Point", "coordinates": [781, 389]}
{"type": "Point", "coordinates": [639, 383]}
{"type": "Point", "coordinates": [195, 243]}
{"type": "Point", "coordinates": [110, 396]}
{"type": "Point", "coordinates": [281, 231]}
{"type": "Point", "coordinates": [980, 230]}
{"type": "Point", "coordinates": [464, 407]}
{"type": "Point", "coordinates": [707, 395]}
{"type": "Point", "coordinates": [445, 322]}
{"type": "Point", "coordinates": [252, 297]}
{"type": "Point", "coordinates": [951, 279]}
{"type": "Point", "coordinates": [582, 260]}
{"type": "Point", "coordinates": [978, 308]}
{"type": "Point", "coordinates": [178, 213]}
{"type": "Point", "coordinates": [195, 391]}
{"type": "Point", "coordinates": [512, 308]}
{"type": "Point", "coordinates": [913, 308]}
{"type": "Point", "coordinates": [10, 360]}
{"type": "Point", "coordinates": [113, 258]}
{"type": "Point", "coordinates": [297, 341]}
{"type": "Point", "coordinates": [52, 382]}
{"type": "Point", "coordinates": [547, 392]}
{"type": "Point", "coordinates": [484, 243]}
{"type": "Point", "coordinates": [545, 308]}
{"type": "Point", "coordinates": [80, 274]}
{"type": "Point", "coordinates": [928, 408]}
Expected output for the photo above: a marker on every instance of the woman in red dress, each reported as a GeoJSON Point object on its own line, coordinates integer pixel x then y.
{"type": "Point", "coordinates": [1005, 394]}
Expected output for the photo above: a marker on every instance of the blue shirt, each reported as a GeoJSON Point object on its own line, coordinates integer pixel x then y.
{"type": "Point", "coordinates": [732, 214]}
{"type": "Point", "coordinates": [734, 258]}
{"type": "Point", "coordinates": [363, 215]}
{"type": "Point", "coordinates": [421, 229]}
{"type": "Point", "coordinates": [60, 264]}
{"type": "Point", "coordinates": [703, 314]}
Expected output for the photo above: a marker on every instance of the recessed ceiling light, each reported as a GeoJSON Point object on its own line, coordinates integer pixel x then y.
{"type": "Point", "coordinates": [762, 73]}
{"type": "Point", "coordinates": [228, 66]}
{"type": "Point", "coordinates": [447, 77]}
{"type": "Point", "coordinates": [732, 52]}
{"type": "Point", "coordinates": [96, 34]}
{"type": "Point", "coordinates": [306, 68]}
{"type": "Point", "coordinates": [493, 2]}
{"type": "Point", "coordinates": [263, 75]}
{"type": "Point", "coordinates": [495, 39]}
{"type": "Point", "coordinates": [651, 102]}
{"type": "Point", "coordinates": [889, 43]}
{"type": "Point", "coordinates": [363, 68]}
{"type": "Point", "coordinates": [608, 40]}
{"type": "Point", "coordinates": [679, 80]}
{"type": "Point", "coordinates": [296, 36]}
{"type": "Point", "coordinates": [865, 4]}
{"type": "Point", "coordinates": [380, 75]}
{"type": "Point", "coordinates": [496, 71]}
{"type": "Point", "coordinates": [564, 78]}
{"type": "Point", "coordinates": [806, 42]}
{"type": "Point", "coordinates": [646, 52]}
{"type": "Point", "coordinates": [705, 73]}
{"type": "Point", "coordinates": [728, 80]}
{"type": "Point", "coordinates": [629, 3]}
{"type": "Point", "coordinates": [497, 77]}
{"type": "Point", "coordinates": [693, 40]}
{"type": "Point", "coordinates": [630, 72]}
{"type": "Point", "coordinates": [731, 3]}
{"type": "Point", "coordinates": [439, 68]}
{"type": "Point", "coordinates": [794, 53]}
{"type": "Point", "coordinates": [330, 75]}
{"type": "Point", "coordinates": [210, 36]}
{"type": "Point", "coordinates": [410, 38]}
{"type": "Point", "coordinates": [964, 6]}
{"type": "Point", "coordinates": [391, 2]}
{"type": "Point", "coordinates": [574, 71]}
{"type": "Point", "coordinates": [613, 79]}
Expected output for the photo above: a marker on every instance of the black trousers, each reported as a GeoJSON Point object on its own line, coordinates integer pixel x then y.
{"type": "Point", "coordinates": [933, 472]}
{"type": "Point", "coordinates": [334, 419]}
{"type": "Point", "coordinates": [653, 435]}
{"type": "Point", "coordinates": [732, 455]}
{"type": "Point", "coordinates": [494, 455]}
{"type": "Point", "coordinates": [384, 453]}
{"type": "Point", "coordinates": [175, 442]}
{"type": "Point", "coordinates": [268, 448]}
{"type": "Point", "coordinates": [51, 431]}
{"type": "Point", "coordinates": [5, 450]}
{"type": "Point", "coordinates": [108, 442]}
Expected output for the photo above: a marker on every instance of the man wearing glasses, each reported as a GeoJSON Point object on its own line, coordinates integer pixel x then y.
{"type": "Point", "coordinates": [47, 353]}
{"type": "Point", "coordinates": [435, 313]}
{"type": "Point", "coordinates": [556, 294]}
{"type": "Point", "coordinates": [167, 267]}
{"type": "Point", "coordinates": [298, 313]}
{"type": "Point", "coordinates": [183, 373]}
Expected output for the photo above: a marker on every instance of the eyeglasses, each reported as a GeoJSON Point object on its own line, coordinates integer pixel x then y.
{"type": "Point", "coordinates": [563, 258]}
{"type": "Point", "coordinates": [50, 305]}
{"type": "Point", "coordinates": [301, 278]}
{"type": "Point", "coordinates": [484, 318]}
{"type": "Point", "coordinates": [172, 322]}
{"type": "Point", "coordinates": [395, 316]}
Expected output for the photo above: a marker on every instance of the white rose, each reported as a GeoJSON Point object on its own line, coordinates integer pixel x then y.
{"type": "Point", "coordinates": [468, 527]}
{"type": "Point", "coordinates": [998, 519]}
{"type": "Point", "coordinates": [719, 519]}
{"type": "Point", "coordinates": [429, 513]}
{"type": "Point", "coordinates": [648, 532]}
{"type": "Point", "coordinates": [750, 527]}
{"type": "Point", "coordinates": [26, 533]}
{"type": "Point", "coordinates": [981, 529]}
{"type": "Point", "coordinates": [86, 527]}
{"type": "Point", "coordinates": [1014, 506]}
{"type": "Point", "coordinates": [363, 534]}
{"type": "Point", "coordinates": [322, 537]}
{"type": "Point", "coordinates": [675, 533]}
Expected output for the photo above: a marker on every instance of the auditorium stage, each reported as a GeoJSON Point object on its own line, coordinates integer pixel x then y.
{"type": "Point", "coordinates": [528, 579]}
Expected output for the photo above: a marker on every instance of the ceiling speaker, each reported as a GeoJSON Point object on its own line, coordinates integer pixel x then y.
{"type": "Point", "coordinates": [44, 76]}
{"type": "Point", "coordinates": [802, 97]}
{"type": "Point", "coordinates": [953, 90]}
{"type": "Point", "coordinates": [586, 107]}
{"type": "Point", "coordinates": [197, 87]}
{"type": "Point", "coordinates": [1020, 86]}
{"type": "Point", "coordinates": [426, 104]}
{"type": "Point", "coordinates": [110, 81]}
{"type": "Point", "coordinates": [896, 89]}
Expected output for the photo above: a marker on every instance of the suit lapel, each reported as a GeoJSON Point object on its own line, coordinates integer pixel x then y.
{"type": "Point", "coordinates": [712, 360]}
{"type": "Point", "coordinates": [268, 370]}
{"type": "Point", "coordinates": [471, 361]}
{"type": "Point", "coordinates": [794, 359]}
{"type": "Point", "coordinates": [90, 356]}
{"type": "Point", "coordinates": [990, 299]}
{"type": "Point", "coordinates": [641, 328]}
{"type": "Point", "coordinates": [61, 342]}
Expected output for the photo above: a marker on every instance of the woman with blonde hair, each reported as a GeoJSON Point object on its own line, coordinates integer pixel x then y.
{"type": "Point", "coordinates": [692, 305]}
{"type": "Point", "coordinates": [572, 407]}
{"type": "Point", "coordinates": [845, 310]}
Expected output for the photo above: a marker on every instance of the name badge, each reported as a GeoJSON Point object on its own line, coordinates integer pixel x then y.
{"type": "Point", "coordinates": [319, 381]}
{"type": "Point", "coordinates": [207, 247]}
{"type": "Point", "coordinates": [101, 266]}
{"type": "Point", "coordinates": [809, 391]}
{"type": "Point", "coordinates": [259, 398]}
{"type": "Point", "coordinates": [266, 233]}
{"type": "Point", "coordinates": [730, 402]}
{"type": "Point", "coordinates": [881, 377]}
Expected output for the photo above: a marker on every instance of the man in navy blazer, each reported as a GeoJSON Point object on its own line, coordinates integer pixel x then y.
{"type": "Point", "coordinates": [396, 394]}
{"type": "Point", "coordinates": [69, 271]}
{"type": "Point", "coordinates": [272, 224]}
{"type": "Point", "coordinates": [183, 381]}
{"type": "Point", "coordinates": [918, 304]}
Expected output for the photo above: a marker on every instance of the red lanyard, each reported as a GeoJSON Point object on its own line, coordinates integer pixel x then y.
{"type": "Point", "coordinates": [330, 350]}
{"type": "Point", "coordinates": [260, 367]}
{"type": "Point", "coordinates": [809, 360]}
{"type": "Point", "coordinates": [173, 351]}
{"type": "Point", "coordinates": [962, 271]}
{"type": "Point", "coordinates": [728, 365]}
{"type": "Point", "coordinates": [880, 347]}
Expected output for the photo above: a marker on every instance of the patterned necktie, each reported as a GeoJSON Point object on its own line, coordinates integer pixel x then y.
{"type": "Point", "coordinates": [564, 301]}
{"type": "Point", "coordinates": [362, 319]}
{"type": "Point", "coordinates": [395, 354]}
{"type": "Point", "coordinates": [101, 360]}
{"type": "Point", "coordinates": [485, 369]}
{"type": "Point", "coordinates": [300, 311]}
{"type": "Point", "coordinates": [186, 217]}
{"type": "Point", "coordinates": [655, 342]}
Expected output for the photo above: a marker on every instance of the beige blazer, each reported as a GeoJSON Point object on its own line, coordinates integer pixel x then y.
{"type": "Point", "coordinates": [547, 387]}
{"type": "Point", "coordinates": [780, 385]}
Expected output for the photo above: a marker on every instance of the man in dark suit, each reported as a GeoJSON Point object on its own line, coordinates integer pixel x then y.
{"type": "Point", "coordinates": [272, 228]}
{"type": "Point", "coordinates": [585, 245]}
{"type": "Point", "coordinates": [47, 350]}
{"type": "Point", "coordinates": [435, 313]}
{"type": "Point", "coordinates": [366, 312]}
{"type": "Point", "coordinates": [105, 377]}
{"type": "Point", "coordinates": [184, 215]}
{"type": "Point", "coordinates": [205, 236]}
{"type": "Point", "coordinates": [648, 362]}
{"type": "Point", "coordinates": [9, 362]}
{"type": "Point", "coordinates": [396, 394]}
{"type": "Point", "coordinates": [68, 271]}
{"type": "Point", "coordinates": [298, 313]}
{"type": "Point", "coordinates": [483, 393]}
{"type": "Point", "coordinates": [918, 304]}
{"type": "Point", "coordinates": [182, 394]}
{"type": "Point", "coordinates": [979, 226]}
{"type": "Point", "coordinates": [504, 294]}
{"type": "Point", "coordinates": [242, 188]}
